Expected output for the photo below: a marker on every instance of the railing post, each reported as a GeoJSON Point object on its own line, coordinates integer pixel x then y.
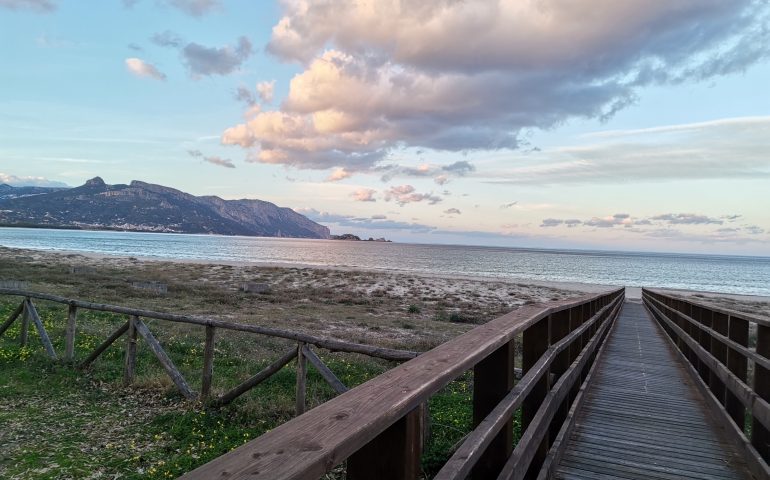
{"type": "Point", "coordinates": [24, 334]}
{"type": "Point", "coordinates": [703, 316]}
{"type": "Point", "coordinates": [719, 350]}
{"type": "Point", "coordinates": [392, 455]}
{"type": "Point", "coordinates": [492, 380]}
{"type": "Point", "coordinates": [760, 436]}
{"type": "Point", "coordinates": [560, 328]}
{"type": "Point", "coordinates": [737, 363]}
{"type": "Point", "coordinates": [69, 341]}
{"type": "Point", "coordinates": [535, 343]}
{"type": "Point", "coordinates": [129, 366]}
{"type": "Point", "coordinates": [575, 320]}
{"type": "Point", "coordinates": [301, 379]}
{"type": "Point", "coordinates": [208, 363]}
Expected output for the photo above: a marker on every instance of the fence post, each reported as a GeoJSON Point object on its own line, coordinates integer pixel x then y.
{"type": "Point", "coordinates": [208, 363]}
{"type": "Point", "coordinates": [69, 342]}
{"type": "Point", "coordinates": [394, 454]}
{"type": "Point", "coordinates": [535, 343]}
{"type": "Point", "coordinates": [738, 364]}
{"type": "Point", "coordinates": [23, 336]}
{"type": "Point", "coordinates": [129, 367]}
{"type": "Point", "coordinates": [301, 379]}
{"type": "Point", "coordinates": [492, 380]}
{"type": "Point", "coordinates": [760, 436]}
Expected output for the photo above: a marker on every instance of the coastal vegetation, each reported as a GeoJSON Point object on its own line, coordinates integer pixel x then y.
{"type": "Point", "coordinates": [62, 422]}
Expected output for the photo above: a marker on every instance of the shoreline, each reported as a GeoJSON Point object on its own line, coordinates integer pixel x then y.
{"type": "Point", "coordinates": [571, 286]}
{"type": "Point", "coordinates": [632, 292]}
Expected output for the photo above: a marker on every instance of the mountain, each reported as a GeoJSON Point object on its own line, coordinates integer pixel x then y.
{"type": "Point", "coordinates": [7, 191]}
{"type": "Point", "coordinates": [145, 207]}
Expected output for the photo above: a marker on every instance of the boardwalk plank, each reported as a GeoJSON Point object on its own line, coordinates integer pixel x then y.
{"type": "Point", "coordinates": [643, 416]}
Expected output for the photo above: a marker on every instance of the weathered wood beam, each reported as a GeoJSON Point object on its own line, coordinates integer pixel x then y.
{"type": "Point", "coordinates": [24, 333]}
{"type": "Point", "coordinates": [163, 358]}
{"type": "Point", "coordinates": [252, 382]}
{"type": "Point", "coordinates": [462, 461]}
{"type": "Point", "coordinates": [69, 340]}
{"type": "Point", "coordinates": [392, 455]}
{"type": "Point", "coordinates": [101, 348]}
{"type": "Point", "coordinates": [208, 363]}
{"type": "Point", "coordinates": [759, 407]}
{"type": "Point", "coordinates": [14, 315]}
{"type": "Point", "coordinates": [129, 365]}
{"type": "Point", "coordinates": [327, 343]}
{"type": "Point", "coordinates": [527, 448]}
{"type": "Point", "coordinates": [301, 390]}
{"type": "Point", "coordinates": [32, 312]}
{"type": "Point", "coordinates": [742, 349]}
{"type": "Point", "coordinates": [492, 381]}
{"type": "Point", "coordinates": [324, 370]}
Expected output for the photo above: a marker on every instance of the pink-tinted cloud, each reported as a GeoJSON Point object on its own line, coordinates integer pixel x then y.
{"type": "Point", "coordinates": [386, 75]}
{"type": "Point", "coordinates": [403, 194]}
{"type": "Point", "coordinates": [140, 68]}
{"type": "Point", "coordinates": [364, 195]}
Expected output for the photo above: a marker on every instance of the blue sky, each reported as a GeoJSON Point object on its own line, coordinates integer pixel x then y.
{"type": "Point", "coordinates": [583, 124]}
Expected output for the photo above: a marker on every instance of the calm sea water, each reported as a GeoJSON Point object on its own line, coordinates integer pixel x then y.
{"type": "Point", "coordinates": [729, 274]}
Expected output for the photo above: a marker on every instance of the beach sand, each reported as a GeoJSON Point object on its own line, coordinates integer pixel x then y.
{"type": "Point", "coordinates": [399, 310]}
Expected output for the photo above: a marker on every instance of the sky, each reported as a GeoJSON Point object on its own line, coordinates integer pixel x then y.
{"type": "Point", "coordinates": [588, 124]}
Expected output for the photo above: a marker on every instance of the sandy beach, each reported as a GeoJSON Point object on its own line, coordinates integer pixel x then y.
{"type": "Point", "coordinates": [393, 309]}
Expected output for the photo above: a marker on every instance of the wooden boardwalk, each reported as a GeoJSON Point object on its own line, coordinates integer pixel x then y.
{"type": "Point", "coordinates": [643, 417]}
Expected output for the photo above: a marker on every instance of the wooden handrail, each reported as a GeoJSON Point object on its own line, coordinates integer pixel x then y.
{"type": "Point", "coordinates": [312, 444]}
{"type": "Point", "coordinates": [465, 457]}
{"type": "Point", "coordinates": [714, 341]}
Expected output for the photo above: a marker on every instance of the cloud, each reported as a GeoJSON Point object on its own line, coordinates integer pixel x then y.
{"type": "Point", "coordinates": [509, 205]}
{"type": "Point", "coordinates": [214, 160]}
{"type": "Point", "coordinates": [364, 195]}
{"type": "Point", "coordinates": [686, 219]}
{"type": "Point", "coordinates": [379, 77]}
{"type": "Point", "coordinates": [34, 5]}
{"type": "Point", "coordinates": [452, 211]}
{"type": "Point", "coordinates": [243, 94]}
{"type": "Point", "coordinates": [725, 148]}
{"type": "Point", "coordinates": [140, 68]}
{"type": "Point", "coordinates": [167, 39]}
{"type": "Point", "coordinates": [441, 173]}
{"type": "Point", "coordinates": [195, 8]}
{"type": "Point", "coordinates": [628, 221]}
{"type": "Point", "coordinates": [403, 194]}
{"type": "Point", "coordinates": [375, 222]}
{"type": "Point", "coordinates": [572, 222]}
{"type": "Point", "coordinates": [207, 61]}
{"type": "Point", "coordinates": [135, 47]}
{"type": "Point", "coordinates": [266, 91]}
{"type": "Point", "coordinates": [16, 181]}
{"type": "Point", "coordinates": [338, 174]}
{"type": "Point", "coordinates": [551, 222]}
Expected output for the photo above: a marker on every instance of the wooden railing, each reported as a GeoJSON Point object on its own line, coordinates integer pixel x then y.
{"type": "Point", "coordinates": [135, 328]}
{"type": "Point", "coordinates": [378, 426]}
{"type": "Point", "coordinates": [715, 343]}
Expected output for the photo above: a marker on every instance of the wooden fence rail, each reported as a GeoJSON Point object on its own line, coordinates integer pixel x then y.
{"type": "Point", "coordinates": [378, 426]}
{"type": "Point", "coordinates": [715, 343]}
{"type": "Point", "coordinates": [135, 328]}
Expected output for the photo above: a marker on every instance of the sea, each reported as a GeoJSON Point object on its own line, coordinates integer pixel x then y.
{"type": "Point", "coordinates": [712, 273]}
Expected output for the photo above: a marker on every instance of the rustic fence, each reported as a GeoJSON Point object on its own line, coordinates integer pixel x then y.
{"type": "Point", "coordinates": [715, 343]}
{"type": "Point", "coordinates": [378, 428]}
{"type": "Point", "coordinates": [135, 329]}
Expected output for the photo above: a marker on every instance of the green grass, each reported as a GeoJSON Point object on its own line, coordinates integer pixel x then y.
{"type": "Point", "coordinates": [60, 422]}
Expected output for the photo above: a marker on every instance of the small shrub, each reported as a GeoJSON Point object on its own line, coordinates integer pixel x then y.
{"type": "Point", "coordinates": [413, 309]}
